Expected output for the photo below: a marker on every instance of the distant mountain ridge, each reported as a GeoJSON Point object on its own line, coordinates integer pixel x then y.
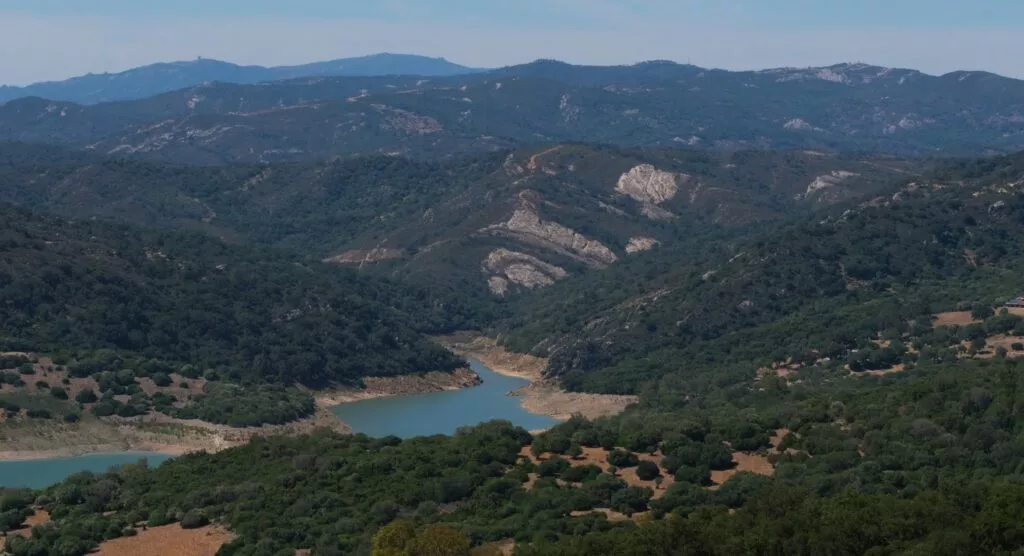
{"type": "Point", "coordinates": [163, 77]}
{"type": "Point", "coordinates": [839, 108]}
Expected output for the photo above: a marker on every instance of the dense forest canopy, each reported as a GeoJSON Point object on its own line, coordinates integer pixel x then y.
{"type": "Point", "coordinates": [797, 393]}
{"type": "Point", "coordinates": [187, 299]}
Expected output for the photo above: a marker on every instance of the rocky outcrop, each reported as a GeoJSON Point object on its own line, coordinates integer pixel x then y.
{"type": "Point", "coordinates": [506, 267]}
{"type": "Point", "coordinates": [361, 256]}
{"type": "Point", "coordinates": [526, 225]}
{"type": "Point", "coordinates": [647, 184]}
{"type": "Point", "coordinates": [640, 244]}
{"type": "Point", "coordinates": [827, 181]}
{"type": "Point", "coordinates": [651, 187]}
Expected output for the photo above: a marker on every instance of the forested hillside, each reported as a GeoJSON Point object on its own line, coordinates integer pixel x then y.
{"type": "Point", "coordinates": [82, 287]}
{"type": "Point", "coordinates": [818, 340]}
{"type": "Point", "coordinates": [821, 288]}
{"type": "Point", "coordinates": [479, 226]}
{"type": "Point", "coordinates": [844, 107]}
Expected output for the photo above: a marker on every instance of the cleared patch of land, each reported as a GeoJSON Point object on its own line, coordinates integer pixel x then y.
{"type": "Point", "coordinates": [169, 540]}
{"type": "Point", "coordinates": [599, 457]}
{"type": "Point", "coordinates": [954, 318]}
{"type": "Point", "coordinates": [753, 463]}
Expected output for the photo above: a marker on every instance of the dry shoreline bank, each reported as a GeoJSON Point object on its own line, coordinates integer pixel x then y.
{"type": "Point", "coordinates": [157, 433]}
{"type": "Point", "coordinates": [160, 434]}
{"type": "Point", "coordinates": [542, 396]}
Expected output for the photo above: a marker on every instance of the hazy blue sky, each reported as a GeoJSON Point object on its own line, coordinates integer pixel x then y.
{"type": "Point", "coordinates": [52, 39]}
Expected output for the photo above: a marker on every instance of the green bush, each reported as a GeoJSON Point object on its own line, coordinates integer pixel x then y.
{"type": "Point", "coordinates": [86, 396]}
{"type": "Point", "coordinates": [647, 471]}
{"type": "Point", "coordinates": [622, 459]}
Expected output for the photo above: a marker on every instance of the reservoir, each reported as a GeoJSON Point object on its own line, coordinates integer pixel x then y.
{"type": "Point", "coordinates": [404, 416]}
{"type": "Point", "coordinates": [443, 412]}
{"type": "Point", "coordinates": [45, 472]}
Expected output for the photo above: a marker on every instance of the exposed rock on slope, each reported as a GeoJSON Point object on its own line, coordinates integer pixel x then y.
{"type": "Point", "coordinates": [526, 225]}
{"type": "Point", "coordinates": [832, 179]}
{"type": "Point", "coordinates": [647, 184]}
{"type": "Point", "coordinates": [361, 257]}
{"type": "Point", "coordinates": [506, 266]}
{"type": "Point", "coordinates": [639, 244]}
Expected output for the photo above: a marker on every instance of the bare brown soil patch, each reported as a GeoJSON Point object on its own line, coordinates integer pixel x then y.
{"type": "Point", "coordinates": [752, 463]}
{"type": "Point", "coordinates": [562, 405]}
{"type": "Point", "coordinates": [599, 457]}
{"type": "Point", "coordinates": [495, 357]}
{"type": "Point", "coordinates": [993, 343]}
{"type": "Point", "coordinates": [39, 518]}
{"type": "Point", "coordinates": [954, 318]}
{"type": "Point", "coordinates": [899, 368]}
{"type": "Point", "coordinates": [610, 515]}
{"type": "Point", "coordinates": [169, 540]}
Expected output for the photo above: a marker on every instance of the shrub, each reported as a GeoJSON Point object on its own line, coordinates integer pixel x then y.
{"type": "Point", "coordinates": [194, 519]}
{"type": "Point", "coordinates": [59, 393]}
{"type": "Point", "coordinates": [622, 459]}
{"type": "Point", "coordinates": [86, 396]}
{"type": "Point", "coordinates": [553, 467]}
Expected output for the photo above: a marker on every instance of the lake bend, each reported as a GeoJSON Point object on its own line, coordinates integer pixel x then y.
{"type": "Point", "coordinates": [403, 416]}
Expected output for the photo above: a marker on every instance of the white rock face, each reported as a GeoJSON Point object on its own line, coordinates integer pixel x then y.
{"type": "Point", "coordinates": [526, 225]}
{"type": "Point", "coordinates": [828, 180]}
{"type": "Point", "coordinates": [647, 184]}
{"type": "Point", "coordinates": [639, 244]}
{"type": "Point", "coordinates": [505, 267]}
{"type": "Point", "coordinates": [498, 285]}
{"type": "Point", "coordinates": [797, 124]}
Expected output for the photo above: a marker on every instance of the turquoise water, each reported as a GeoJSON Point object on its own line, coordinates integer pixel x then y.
{"type": "Point", "coordinates": [405, 416]}
{"type": "Point", "coordinates": [443, 412]}
{"type": "Point", "coordinates": [45, 472]}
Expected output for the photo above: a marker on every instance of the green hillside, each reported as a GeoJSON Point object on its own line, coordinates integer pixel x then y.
{"type": "Point", "coordinates": [255, 315]}
{"type": "Point", "coordinates": [818, 288]}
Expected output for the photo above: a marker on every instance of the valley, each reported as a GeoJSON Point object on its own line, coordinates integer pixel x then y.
{"type": "Point", "coordinates": [538, 310]}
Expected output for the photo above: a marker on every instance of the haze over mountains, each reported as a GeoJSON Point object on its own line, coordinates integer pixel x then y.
{"type": "Point", "coordinates": [163, 77]}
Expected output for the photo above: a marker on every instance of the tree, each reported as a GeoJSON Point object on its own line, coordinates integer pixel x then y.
{"type": "Point", "coordinates": [194, 519]}
{"type": "Point", "coordinates": [393, 538]}
{"type": "Point", "coordinates": [622, 459]}
{"type": "Point", "coordinates": [439, 540]}
{"type": "Point", "coordinates": [86, 396]}
{"type": "Point", "coordinates": [647, 470]}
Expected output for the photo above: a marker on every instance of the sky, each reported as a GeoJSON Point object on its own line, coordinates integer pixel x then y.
{"type": "Point", "coordinates": [56, 39]}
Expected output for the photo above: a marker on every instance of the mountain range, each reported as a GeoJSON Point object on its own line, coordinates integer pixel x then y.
{"type": "Point", "coordinates": [159, 78]}
{"type": "Point", "coordinates": [839, 108]}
